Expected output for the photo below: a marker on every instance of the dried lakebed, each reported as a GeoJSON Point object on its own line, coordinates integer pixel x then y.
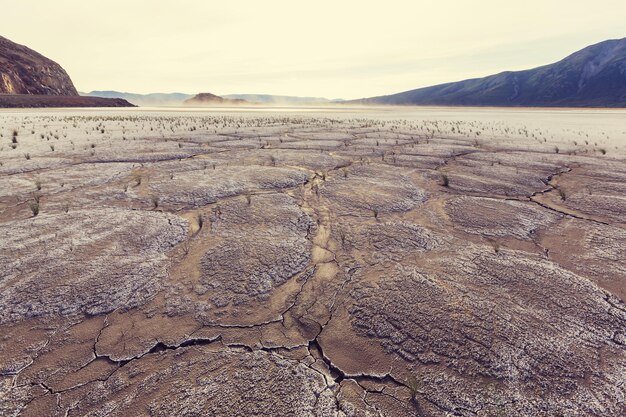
{"type": "Point", "coordinates": [236, 266]}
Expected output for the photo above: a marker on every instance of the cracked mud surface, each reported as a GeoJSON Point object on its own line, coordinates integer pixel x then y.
{"type": "Point", "coordinates": [253, 266]}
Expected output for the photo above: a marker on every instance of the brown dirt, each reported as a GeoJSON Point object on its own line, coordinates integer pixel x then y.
{"type": "Point", "coordinates": [231, 266]}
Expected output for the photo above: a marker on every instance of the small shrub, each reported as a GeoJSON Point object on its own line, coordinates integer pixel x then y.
{"type": "Point", "coordinates": [413, 384]}
{"type": "Point", "coordinates": [185, 247]}
{"type": "Point", "coordinates": [342, 238]}
{"type": "Point", "coordinates": [34, 207]}
{"type": "Point", "coordinates": [445, 181]}
{"type": "Point", "coordinates": [155, 201]}
{"type": "Point", "coordinates": [562, 194]}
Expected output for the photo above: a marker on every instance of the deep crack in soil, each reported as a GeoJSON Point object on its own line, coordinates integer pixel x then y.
{"type": "Point", "coordinates": [235, 266]}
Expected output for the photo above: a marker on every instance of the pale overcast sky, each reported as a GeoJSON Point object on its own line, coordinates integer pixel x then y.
{"type": "Point", "coordinates": [334, 49]}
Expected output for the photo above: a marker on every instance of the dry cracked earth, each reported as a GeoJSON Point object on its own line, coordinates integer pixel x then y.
{"type": "Point", "coordinates": [155, 265]}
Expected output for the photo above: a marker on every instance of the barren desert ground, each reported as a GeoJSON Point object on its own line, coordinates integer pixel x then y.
{"type": "Point", "coordinates": [269, 263]}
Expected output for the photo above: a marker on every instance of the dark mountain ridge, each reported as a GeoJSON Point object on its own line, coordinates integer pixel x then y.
{"type": "Point", "coordinates": [592, 77]}
{"type": "Point", "coordinates": [46, 100]}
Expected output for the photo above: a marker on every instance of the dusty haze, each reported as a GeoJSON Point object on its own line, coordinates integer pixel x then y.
{"type": "Point", "coordinates": [346, 50]}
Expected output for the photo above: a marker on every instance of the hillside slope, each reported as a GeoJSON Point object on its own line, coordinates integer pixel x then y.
{"type": "Point", "coordinates": [24, 71]}
{"type": "Point", "coordinates": [592, 77]}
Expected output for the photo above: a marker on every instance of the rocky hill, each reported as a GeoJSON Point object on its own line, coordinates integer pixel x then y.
{"type": "Point", "coordinates": [29, 79]}
{"type": "Point", "coordinates": [592, 77]}
{"type": "Point", "coordinates": [208, 99]}
{"type": "Point", "coordinates": [24, 71]}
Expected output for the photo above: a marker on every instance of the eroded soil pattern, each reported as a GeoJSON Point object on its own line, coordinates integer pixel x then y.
{"type": "Point", "coordinates": [254, 266]}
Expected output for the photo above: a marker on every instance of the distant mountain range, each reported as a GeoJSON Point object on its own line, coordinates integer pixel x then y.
{"type": "Point", "coordinates": [153, 99]}
{"type": "Point", "coordinates": [592, 77]}
{"type": "Point", "coordinates": [177, 99]}
{"type": "Point", "coordinates": [278, 100]}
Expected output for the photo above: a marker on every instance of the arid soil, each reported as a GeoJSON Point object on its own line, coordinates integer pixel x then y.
{"type": "Point", "coordinates": [155, 265]}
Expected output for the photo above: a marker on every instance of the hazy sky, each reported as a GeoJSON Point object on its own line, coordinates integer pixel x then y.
{"type": "Point", "coordinates": [334, 49]}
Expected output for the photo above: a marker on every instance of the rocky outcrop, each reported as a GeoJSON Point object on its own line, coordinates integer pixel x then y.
{"type": "Point", "coordinates": [208, 99]}
{"type": "Point", "coordinates": [24, 71]}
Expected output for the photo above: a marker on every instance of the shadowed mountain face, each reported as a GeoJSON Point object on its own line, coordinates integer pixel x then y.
{"type": "Point", "coordinates": [592, 77]}
{"type": "Point", "coordinates": [24, 71]}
